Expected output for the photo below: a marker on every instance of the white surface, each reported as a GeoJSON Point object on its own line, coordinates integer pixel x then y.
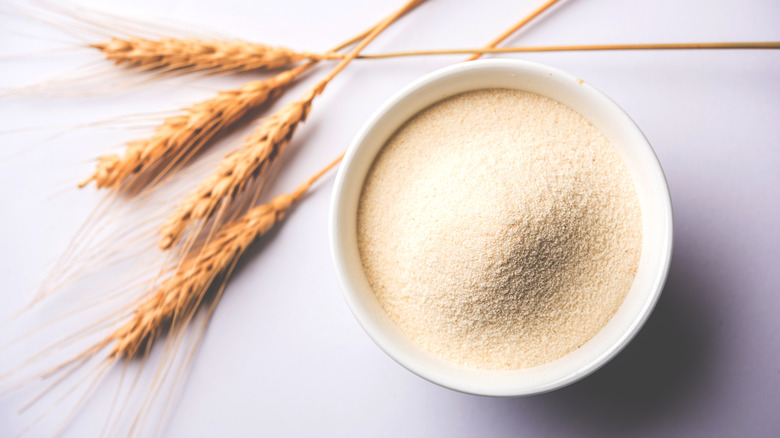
{"type": "Point", "coordinates": [606, 116]}
{"type": "Point", "coordinates": [283, 356]}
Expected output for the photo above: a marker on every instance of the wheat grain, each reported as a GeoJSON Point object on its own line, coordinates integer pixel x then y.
{"type": "Point", "coordinates": [266, 142]}
{"type": "Point", "coordinates": [182, 135]}
{"type": "Point", "coordinates": [194, 54]}
{"type": "Point", "coordinates": [182, 293]}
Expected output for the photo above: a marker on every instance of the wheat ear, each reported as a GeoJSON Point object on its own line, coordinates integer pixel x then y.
{"type": "Point", "coordinates": [186, 55]}
{"type": "Point", "coordinates": [182, 293]}
{"type": "Point", "coordinates": [256, 154]}
{"type": "Point", "coordinates": [182, 135]}
{"type": "Point", "coordinates": [193, 54]}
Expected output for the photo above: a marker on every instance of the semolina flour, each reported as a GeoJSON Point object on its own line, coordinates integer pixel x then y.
{"type": "Point", "coordinates": [499, 229]}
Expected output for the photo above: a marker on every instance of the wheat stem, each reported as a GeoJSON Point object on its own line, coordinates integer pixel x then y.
{"type": "Point", "coordinates": [517, 26]}
{"type": "Point", "coordinates": [588, 47]}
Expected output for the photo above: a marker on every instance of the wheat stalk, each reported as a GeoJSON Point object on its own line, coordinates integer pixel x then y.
{"type": "Point", "coordinates": [742, 45]}
{"type": "Point", "coordinates": [536, 12]}
{"type": "Point", "coordinates": [256, 154]}
{"type": "Point", "coordinates": [237, 168]}
{"type": "Point", "coordinates": [182, 293]}
{"type": "Point", "coordinates": [219, 56]}
{"type": "Point", "coordinates": [182, 135]}
{"type": "Point", "coordinates": [194, 54]}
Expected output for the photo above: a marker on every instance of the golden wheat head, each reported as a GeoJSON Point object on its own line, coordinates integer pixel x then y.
{"type": "Point", "coordinates": [181, 294]}
{"type": "Point", "coordinates": [253, 157]}
{"type": "Point", "coordinates": [180, 136]}
{"type": "Point", "coordinates": [193, 54]}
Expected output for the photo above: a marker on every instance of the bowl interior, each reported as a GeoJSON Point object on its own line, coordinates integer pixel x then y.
{"type": "Point", "coordinates": [610, 119]}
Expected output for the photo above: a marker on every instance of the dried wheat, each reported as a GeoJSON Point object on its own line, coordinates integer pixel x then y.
{"type": "Point", "coordinates": [194, 54]}
{"type": "Point", "coordinates": [179, 136]}
{"type": "Point", "coordinates": [182, 293]}
{"type": "Point", "coordinates": [258, 151]}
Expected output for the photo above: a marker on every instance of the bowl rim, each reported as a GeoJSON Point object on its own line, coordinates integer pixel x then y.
{"type": "Point", "coordinates": [343, 271]}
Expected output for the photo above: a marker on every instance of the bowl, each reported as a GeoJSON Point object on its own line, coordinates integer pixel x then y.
{"type": "Point", "coordinates": [605, 115]}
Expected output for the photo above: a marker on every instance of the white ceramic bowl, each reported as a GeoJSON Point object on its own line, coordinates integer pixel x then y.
{"type": "Point", "coordinates": [600, 110]}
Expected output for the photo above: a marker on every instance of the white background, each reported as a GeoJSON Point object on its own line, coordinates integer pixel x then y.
{"type": "Point", "coordinates": [283, 355]}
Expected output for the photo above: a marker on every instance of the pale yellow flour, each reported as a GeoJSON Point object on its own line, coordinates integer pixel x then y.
{"type": "Point", "coordinates": [499, 229]}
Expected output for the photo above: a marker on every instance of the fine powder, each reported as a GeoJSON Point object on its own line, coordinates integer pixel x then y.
{"type": "Point", "coordinates": [499, 229]}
